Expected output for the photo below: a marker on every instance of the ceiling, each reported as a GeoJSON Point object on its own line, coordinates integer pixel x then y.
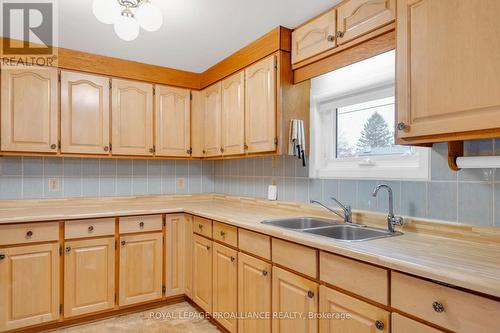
{"type": "Point", "coordinates": [196, 34]}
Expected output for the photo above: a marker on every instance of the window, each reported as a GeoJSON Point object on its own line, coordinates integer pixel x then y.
{"type": "Point", "coordinates": [353, 117]}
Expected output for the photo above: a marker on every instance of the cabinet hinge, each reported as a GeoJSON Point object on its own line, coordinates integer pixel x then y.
{"type": "Point", "coordinates": [190, 96]}
{"type": "Point", "coordinates": [59, 144]}
{"type": "Point", "coordinates": [190, 151]}
{"type": "Point", "coordinates": [164, 223]}
{"type": "Point", "coordinates": [275, 63]}
{"type": "Point", "coordinates": [110, 147]}
{"type": "Point", "coordinates": [115, 298]}
{"type": "Point", "coordinates": [154, 91]}
{"type": "Point", "coordinates": [276, 141]}
{"type": "Point", "coordinates": [59, 76]}
{"type": "Point", "coordinates": [60, 251]}
{"type": "Point", "coordinates": [116, 244]}
{"type": "Point", "coordinates": [61, 307]}
{"type": "Point", "coordinates": [164, 289]}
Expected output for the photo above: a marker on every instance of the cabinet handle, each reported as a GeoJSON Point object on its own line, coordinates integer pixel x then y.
{"type": "Point", "coordinates": [91, 228]}
{"type": "Point", "coordinates": [200, 226]}
{"type": "Point", "coordinates": [222, 233]}
{"type": "Point", "coordinates": [106, 148]}
{"type": "Point", "coordinates": [438, 307]}
{"type": "Point", "coordinates": [141, 225]}
{"type": "Point", "coordinates": [310, 294]}
{"type": "Point", "coordinates": [29, 234]}
{"type": "Point", "coordinates": [340, 34]}
{"type": "Point", "coordinates": [233, 259]}
{"type": "Point", "coordinates": [123, 243]}
{"type": "Point", "coordinates": [330, 38]}
{"type": "Point", "coordinates": [68, 249]}
{"type": "Point", "coordinates": [2, 256]}
{"type": "Point", "coordinates": [264, 273]}
{"type": "Point", "coordinates": [53, 146]}
{"type": "Point", "coordinates": [403, 127]}
{"type": "Point", "coordinates": [379, 325]}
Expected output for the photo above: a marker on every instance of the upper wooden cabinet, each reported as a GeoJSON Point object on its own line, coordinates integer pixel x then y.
{"type": "Point", "coordinates": [84, 113]}
{"type": "Point", "coordinates": [447, 71]}
{"type": "Point", "coordinates": [173, 116]}
{"type": "Point", "coordinates": [260, 106]}
{"type": "Point", "coordinates": [233, 115]}
{"type": "Point", "coordinates": [29, 118]}
{"type": "Point", "coordinates": [358, 17]}
{"type": "Point", "coordinates": [132, 118]}
{"type": "Point", "coordinates": [314, 37]}
{"type": "Point", "coordinates": [211, 99]}
{"type": "Point", "coordinates": [29, 285]}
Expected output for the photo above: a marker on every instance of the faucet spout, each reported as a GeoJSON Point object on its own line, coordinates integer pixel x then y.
{"type": "Point", "coordinates": [391, 219]}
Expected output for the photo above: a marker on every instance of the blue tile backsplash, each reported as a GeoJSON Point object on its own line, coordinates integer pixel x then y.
{"type": "Point", "coordinates": [468, 196]}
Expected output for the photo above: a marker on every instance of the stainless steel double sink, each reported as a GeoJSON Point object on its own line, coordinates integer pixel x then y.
{"type": "Point", "coordinates": [348, 232]}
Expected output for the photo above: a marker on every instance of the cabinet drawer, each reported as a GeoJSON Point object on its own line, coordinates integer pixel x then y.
{"type": "Point", "coordinates": [202, 226]}
{"type": "Point", "coordinates": [29, 233]}
{"type": "Point", "coordinates": [255, 243]}
{"type": "Point", "coordinates": [401, 324]}
{"type": "Point", "coordinates": [225, 233]}
{"type": "Point", "coordinates": [450, 308]}
{"type": "Point", "coordinates": [89, 228]}
{"type": "Point", "coordinates": [360, 278]}
{"type": "Point", "coordinates": [296, 257]}
{"type": "Point", "coordinates": [145, 223]}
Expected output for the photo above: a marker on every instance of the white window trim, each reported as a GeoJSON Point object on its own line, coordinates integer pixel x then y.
{"type": "Point", "coordinates": [415, 166]}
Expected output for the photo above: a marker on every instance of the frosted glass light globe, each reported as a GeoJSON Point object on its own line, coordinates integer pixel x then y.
{"type": "Point", "coordinates": [149, 17]}
{"type": "Point", "coordinates": [106, 11]}
{"type": "Point", "coordinates": [127, 28]}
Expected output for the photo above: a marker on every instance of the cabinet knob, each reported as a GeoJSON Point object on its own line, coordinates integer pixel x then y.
{"type": "Point", "coordinates": [340, 34]}
{"type": "Point", "coordinates": [91, 228]}
{"type": "Point", "coordinates": [2, 256]}
{"type": "Point", "coordinates": [438, 307]}
{"type": "Point", "coordinates": [29, 233]}
{"type": "Point", "coordinates": [402, 126]}
{"type": "Point", "coordinates": [264, 273]}
{"type": "Point", "coordinates": [123, 243]}
{"type": "Point", "coordinates": [233, 259]}
{"type": "Point", "coordinates": [106, 148]}
{"type": "Point", "coordinates": [379, 325]}
{"type": "Point", "coordinates": [330, 38]}
{"type": "Point", "coordinates": [310, 294]}
{"type": "Point", "coordinates": [53, 146]}
{"type": "Point", "coordinates": [222, 233]}
{"type": "Point", "coordinates": [141, 224]}
{"type": "Point", "coordinates": [68, 249]}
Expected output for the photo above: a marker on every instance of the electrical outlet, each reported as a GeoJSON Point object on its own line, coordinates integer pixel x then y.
{"type": "Point", "coordinates": [181, 183]}
{"type": "Point", "coordinates": [54, 185]}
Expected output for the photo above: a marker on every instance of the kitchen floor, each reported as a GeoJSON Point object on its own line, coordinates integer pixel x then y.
{"type": "Point", "coordinates": [172, 319]}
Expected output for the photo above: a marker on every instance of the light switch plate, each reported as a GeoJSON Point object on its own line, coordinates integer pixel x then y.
{"type": "Point", "coordinates": [272, 192]}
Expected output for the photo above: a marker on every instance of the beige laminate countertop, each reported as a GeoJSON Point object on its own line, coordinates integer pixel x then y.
{"type": "Point", "coordinates": [467, 264]}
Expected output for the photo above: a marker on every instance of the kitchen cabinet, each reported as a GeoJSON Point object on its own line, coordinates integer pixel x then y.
{"type": "Point", "coordinates": [362, 317]}
{"type": "Point", "coordinates": [314, 37]}
{"type": "Point", "coordinates": [260, 106]}
{"type": "Point", "coordinates": [225, 280]}
{"type": "Point", "coordinates": [173, 117]}
{"type": "Point", "coordinates": [358, 17]}
{"type": "Point", "coordinates": [89, 276]}
{"type": "Point", "coordinates": [447, 72]}
{"type": "Point", "coordinates": [29, 288]}
{"type": "Point", "coordinates": [295, 297]}
{"type": "Point", "coordinates": [29, 114]}
{"type": "Point", "coordinates": [174, 254]}
{"type": "Point", "coordinates": [254, 293]}
{"type": "Point", "coordinates": [401, 324]}
{"type": "Point", "coordinates": [202, 272]}
{"type": "Point", "coordinates": [140, 268]}
{"type": "Point", "coordinates": [211, 99]}
{"type": "Point", "coordinates": [132, 118]}
{"type": "Point", "coordinates": [188, 250]}
{"type": "Point", "coordinates": [85, 113]}
{"type": "Point", "coordinates": [233, 115]}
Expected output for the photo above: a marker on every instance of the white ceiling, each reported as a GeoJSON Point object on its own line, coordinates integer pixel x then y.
{"type": "Point", "coordinates": [195, 35]}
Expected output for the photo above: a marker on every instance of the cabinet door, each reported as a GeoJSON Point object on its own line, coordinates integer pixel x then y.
{"type": "Point", "coordinates": [358, 17]}
{"type": "Point", "coordinates": [29, 110]}
{"type": "Point", "coordinates": [314, 37]}
{"type": "Point", "coordinates": [260, 106]}
{"type": "Point", "coordinates": [174, 254]}
{"type": "Point", "coordinates": [447, 71]}
{"type": "Point", "coordinates": [89, 276]}
{"type": "Point", "coordinates": [173, 127]}
{"type": "Point", "coordinates": [212, 120]}
{"type": "Point", "coordinates": [294, 294]}
{"type": "Point", "coordinates": [140, 268]}
{"type": "Point", "coordinates": [233, 115]}
{"type": "Point", "coordinates": [188, 250]}
{"type": "Point", "coordinates": [225, 281]}
{"type": "Point", "coordinates": [84, 113]}
{"type": "Point", "coordinates": [29, 285]}
{"type": "Point", "coordinates": [132, 118]}
{"type": "Point", "coordinates": [254, 293]}
{"type": "Point", "coordinates": [202, 272]}
{"type": "Point", "coordinates": [364, 317]}
{"type": "Point", "coordinates": [401, 324]}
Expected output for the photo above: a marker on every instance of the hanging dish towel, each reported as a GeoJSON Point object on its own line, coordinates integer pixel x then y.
{"type": "Point", "coordinates": [296, 140]}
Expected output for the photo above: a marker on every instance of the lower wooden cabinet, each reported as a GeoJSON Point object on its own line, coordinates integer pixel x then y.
{"type": "Point", "coordinates": [174, 254]}
{"type": "Point", "coordinates": [29, 288]}
{"type": "Point", "coordinates": [225, 289]}
{"type": "Point", "coordinates": [140, 268]}
{"type": "Point", "coordinates": [89, 276]}
{"type": "Point", "coordinates": [294, 298]}
{"type": "Point", "coordinates": [202, 272]}
{"type": "Point", "coordinates": [341, 313]}
{"type": "Point", "coordinates": [401, 324]}
{"type": "Point", "coordinates": [254, 294]}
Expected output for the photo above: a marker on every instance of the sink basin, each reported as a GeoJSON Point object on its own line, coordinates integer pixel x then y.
{"type": "Point", "coordinates": [302, 223]}
{"type": "Point", "coordinates": [351, 233]}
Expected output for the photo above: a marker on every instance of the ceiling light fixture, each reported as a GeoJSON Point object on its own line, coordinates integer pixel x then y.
{"type": "Point", "coordinates": [128, 16]}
